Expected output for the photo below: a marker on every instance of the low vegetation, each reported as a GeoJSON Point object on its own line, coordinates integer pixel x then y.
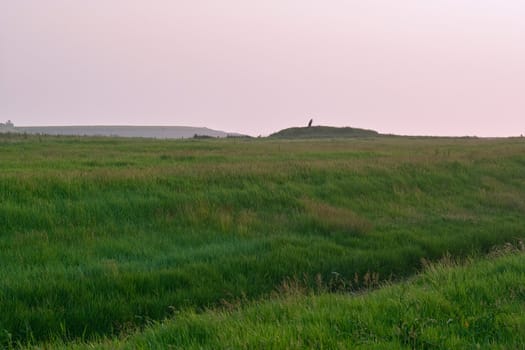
{"type": "Point", "coordinates": [102, 236]}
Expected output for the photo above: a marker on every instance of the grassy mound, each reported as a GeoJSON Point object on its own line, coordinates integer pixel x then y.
{"type": "Point", "coordinates": [99, 235]}
{"type": "Point", "coordinates": [324, 132]}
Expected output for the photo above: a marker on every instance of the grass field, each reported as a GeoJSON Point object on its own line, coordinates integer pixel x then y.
{"type": "Point", "coordinates": [449, 306]}
{"type": "Point", "coordinates": [101, 236]}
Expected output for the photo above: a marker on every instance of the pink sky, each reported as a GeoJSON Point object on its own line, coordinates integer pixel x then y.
{"type": "Point", "coordinates": [447, 67]}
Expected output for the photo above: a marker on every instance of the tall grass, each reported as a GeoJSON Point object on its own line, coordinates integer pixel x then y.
{"type": "Point", "coordinates": [449, 306]}
{"type": "Point", "coordinates": [100, 235]}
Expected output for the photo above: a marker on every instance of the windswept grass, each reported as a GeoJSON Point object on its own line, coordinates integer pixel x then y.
{"type": "Point", "coordinates": [449, 306]}
{"type": "Point", "coordinates": [101, 235]}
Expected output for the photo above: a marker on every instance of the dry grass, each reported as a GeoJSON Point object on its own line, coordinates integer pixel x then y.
{"type": "Point", "coordinates": [336, 219]}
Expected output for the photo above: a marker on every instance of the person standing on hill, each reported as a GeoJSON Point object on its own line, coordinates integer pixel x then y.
{"type": "Point", "coordinates": [310, 123]}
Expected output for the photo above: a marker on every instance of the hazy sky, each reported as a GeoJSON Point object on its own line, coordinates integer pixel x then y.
{"type": "Point", "coordinates": [447, 67]}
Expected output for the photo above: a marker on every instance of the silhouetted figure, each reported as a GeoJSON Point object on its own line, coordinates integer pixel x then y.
{"type": "Point", "coordinates": [310, 122]}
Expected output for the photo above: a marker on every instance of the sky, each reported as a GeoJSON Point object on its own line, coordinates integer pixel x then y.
{"type": "Point", "coordinates": [411, 67]}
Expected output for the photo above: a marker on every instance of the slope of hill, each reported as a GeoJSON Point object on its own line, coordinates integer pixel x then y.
{"type": "Point", "coordinates": [447, 307]}
{"type": "Point", "coordinates": [160, 132]}
{"type": "Point", "coordinates": [324, 132]}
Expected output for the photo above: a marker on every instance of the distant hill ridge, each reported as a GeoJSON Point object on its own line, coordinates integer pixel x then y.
{"type": "Point", "coordinates": [163, 132]}
{"type": "Point", "coordinates": [324, 132]}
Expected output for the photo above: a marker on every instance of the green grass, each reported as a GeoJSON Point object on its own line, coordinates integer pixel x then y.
{"type": "Point", "coordinates": [449, 306]}
{"type": "Point", "coordinates": [100, 236]}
